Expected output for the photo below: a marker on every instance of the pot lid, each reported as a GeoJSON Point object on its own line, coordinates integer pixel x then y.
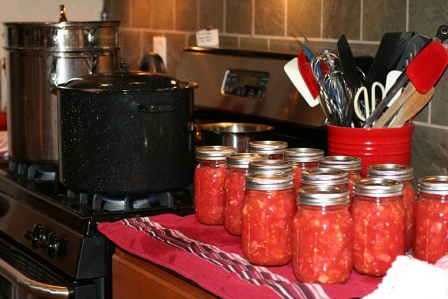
{"type": "Point", "coordinates": [126, 80]}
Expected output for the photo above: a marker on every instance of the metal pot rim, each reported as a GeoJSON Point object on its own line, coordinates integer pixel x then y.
{"type": "Point", "coordinates": [234, 127]}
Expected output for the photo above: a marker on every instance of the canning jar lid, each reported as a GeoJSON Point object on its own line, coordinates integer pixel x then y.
{"type": "Point", "coordinates": [270, 166]}
{"type": "Point", "coordinates": [323, 195]}
{"type": "Point", "coordinates": [434, 185]}
{"type": "Point", "coordinates": [303, 154]}
{"type": "Point", "coordinates": [324, 176]}
{"type": "Point", "coordinates": [241, 160]}
{"type": "Point", "coordinates": [125, 81]}
{"type": "Point", "coordinates": [397, 172]}
{"type": "Point", "coordinates": [341, 162]}
{"type": "Point", "coordinates": [266, 181]}
{"type": "Point", "coordinates": [268, 146]}
{"type": "Point", "coordinates": [377, 187]}
{"type": "Point", "coordinates": [214, 152]}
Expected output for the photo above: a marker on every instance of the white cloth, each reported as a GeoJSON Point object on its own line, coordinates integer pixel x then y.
{"type": "Point", "coordinates": [411, 278]}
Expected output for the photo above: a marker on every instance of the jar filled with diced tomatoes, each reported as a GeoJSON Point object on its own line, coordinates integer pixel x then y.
{"type": "Point", "coordinates": [404, 174]}
{"type": "Point", "coordinates": [431, 219]}
{"type": "Point", "coordinates": [379, 222]}
{"type": "Point", "coordinates": [302, 158]}
{"type": "Point", "coordinates": [209, 177]}
{"type": "Point", "coordinates": [268, 166]}
{"type": "Point", "coordinates": [325, 177]}
{"type": "Point", "coordinates": [234, 189]}
{"type": "Point", "coordinates": [267, 219]}
{"type": "Point", "coordinates": [274, 149]}
{"type": "Point", "coordinates": [323, 216]}
{"type": "Point", "coordinates": [353, 165]}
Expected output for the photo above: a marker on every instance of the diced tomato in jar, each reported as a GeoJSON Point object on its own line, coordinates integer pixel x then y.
{"type": "Point", "coordinates": [409, 205]}
{"type": "Point", "coordinates": [431, 227]}
{"type": "Point", "coordinates": [209, 193]}
{"type": "Point", "coordinates": [379, 234]}
{"type": "Point", "coordinates": [302, 158]}
{"type": "Point", "coordinates": [267, 222]}
{"type": "Point", "coordinates": [322, 243]}
{"type": "Point", "coordinates": [234, 193]}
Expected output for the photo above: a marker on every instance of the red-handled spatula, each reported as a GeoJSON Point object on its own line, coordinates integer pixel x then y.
{"type": "Point", "coordinates": [423, 72]}
{"type": "Point", "coordinates": [307, 74]}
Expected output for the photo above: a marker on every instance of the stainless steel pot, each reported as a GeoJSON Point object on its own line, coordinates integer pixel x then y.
{"type": "Point", "coordinates": [40, 56]}
{"type": "Point", "coordinates": [237, 135]}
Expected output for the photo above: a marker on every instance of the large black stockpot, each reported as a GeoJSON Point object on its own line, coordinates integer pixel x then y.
{"type": "Point", "coordinates": [125, 133]}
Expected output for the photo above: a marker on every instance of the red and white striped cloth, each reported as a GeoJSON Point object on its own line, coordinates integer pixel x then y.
{"type": "Point", "coordinates": [213, 259]}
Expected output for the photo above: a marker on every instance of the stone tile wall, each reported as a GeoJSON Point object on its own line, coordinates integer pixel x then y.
{"type": "Point", "coordinates": [279, 25]}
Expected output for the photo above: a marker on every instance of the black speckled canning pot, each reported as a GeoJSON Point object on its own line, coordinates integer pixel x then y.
{"type": "Point", "coordinates": [125, 133]}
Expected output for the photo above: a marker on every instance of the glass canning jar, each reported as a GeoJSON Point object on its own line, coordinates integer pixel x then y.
{"type": "Point", "coordinates": [302, 158]}
{"type": "Point", "coordinates": [353, 165]}
{"type": "Point", "coordinates": [379, 225]}
{"type": "Point", "coordinates": [234, 189]}
{"type": "Point", "coordinates": [267, 219]}
{"type": "Point", "coordinates": [323, 216]}
{"type": "Point", "coordinates": [324, 177]}
{"type": "Point", "coordinates": [274, 149]}
{"type": "Point", "coordinates": [270, 166]}
{"type": "Point", "coordinates": [431, 219]}
{"type": "Point", "coordinates": [404, 174]}
{"type": "Point", "coordinates": [208, 181]}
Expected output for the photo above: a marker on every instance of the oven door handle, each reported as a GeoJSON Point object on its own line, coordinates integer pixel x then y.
{"type": "Point", "coordinates": [31, 286]}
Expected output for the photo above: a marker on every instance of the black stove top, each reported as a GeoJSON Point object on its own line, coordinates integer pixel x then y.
{"type": "Point", "coordinates": [78, 211]}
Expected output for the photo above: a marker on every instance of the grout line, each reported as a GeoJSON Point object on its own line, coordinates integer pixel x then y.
{"type": "Point", "coordinates": [361, 20]}
{"type": "Point", "coordinates": [407, 15]}
{"type": "Point", "coordinates": [321, 18]}
{"type": "Point", "coordinates": [253, 18]}
{"type": "Point", "coordinates": [224, 13]}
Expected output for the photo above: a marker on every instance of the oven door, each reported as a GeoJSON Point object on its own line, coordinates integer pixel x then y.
{"type": "Point", "coordinates": [22, 277]}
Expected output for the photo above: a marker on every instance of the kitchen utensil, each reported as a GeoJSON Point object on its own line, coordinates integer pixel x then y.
{"type": "Point", "coordinates": [347, 62]}
{"type": "Point", "coordinates": [350, 72]}
{"type": "Point", "coordinates": [237, 135]}
{"type": "Point", "coordinates": [423, 71]}
{"type": "Point", "coordinates": [40, 56]}
{"type": "Point", "coordinates": [407, 94]}
{"type": "Point", "coordinates": [292, 70]}
{"type": "Point", "coordinates": [387, 56]}
{"type": "Point", "coordinates": [390, 81]}
{"type": "Point", "coordinates": [390, 49]}
{"type": "Point", "coordinates": [417, 43]}
{"type": "Point", "coordinates": [316, 64]}
{"type": "Point", "coordinates": [123, 133]}
{"type": "Point", "coordinates": [369, 100]}
{"type": "Point", "coordinates": [307, 74]}
{"type": "Point", "coordinates": [153, 63]}
{"type": "Point", "coordinates": [411, 107]}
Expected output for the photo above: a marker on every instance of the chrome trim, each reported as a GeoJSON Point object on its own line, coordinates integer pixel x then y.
{"type": "Point", "coordinates": [31, 286]}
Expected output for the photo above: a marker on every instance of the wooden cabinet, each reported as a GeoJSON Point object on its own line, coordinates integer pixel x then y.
{"type": "Point", "coordinates": [133, 277]}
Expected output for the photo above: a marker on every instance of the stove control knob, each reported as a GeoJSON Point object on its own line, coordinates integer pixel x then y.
{"type": "Point", "coordinates": [52, 245]}
{"type": "Point", "coordinates": [36, 235]}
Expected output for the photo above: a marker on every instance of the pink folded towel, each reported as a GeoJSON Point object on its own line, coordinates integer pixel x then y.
{"type": "Point", "coordinates": [213, 259]}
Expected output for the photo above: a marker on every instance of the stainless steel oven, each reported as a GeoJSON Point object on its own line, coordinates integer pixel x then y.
{"type": "Point", "coordinates": [251, 87]}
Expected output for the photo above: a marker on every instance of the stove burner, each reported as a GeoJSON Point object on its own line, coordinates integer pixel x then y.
{"type": "Point", "coordinates": [125, 204]}
{"type": "Point", "coordinates": [43, 180]}
{"type": "Point", "coordinates": [33, 172]}
{"type": "Point", "coordinates": [130, 203]}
